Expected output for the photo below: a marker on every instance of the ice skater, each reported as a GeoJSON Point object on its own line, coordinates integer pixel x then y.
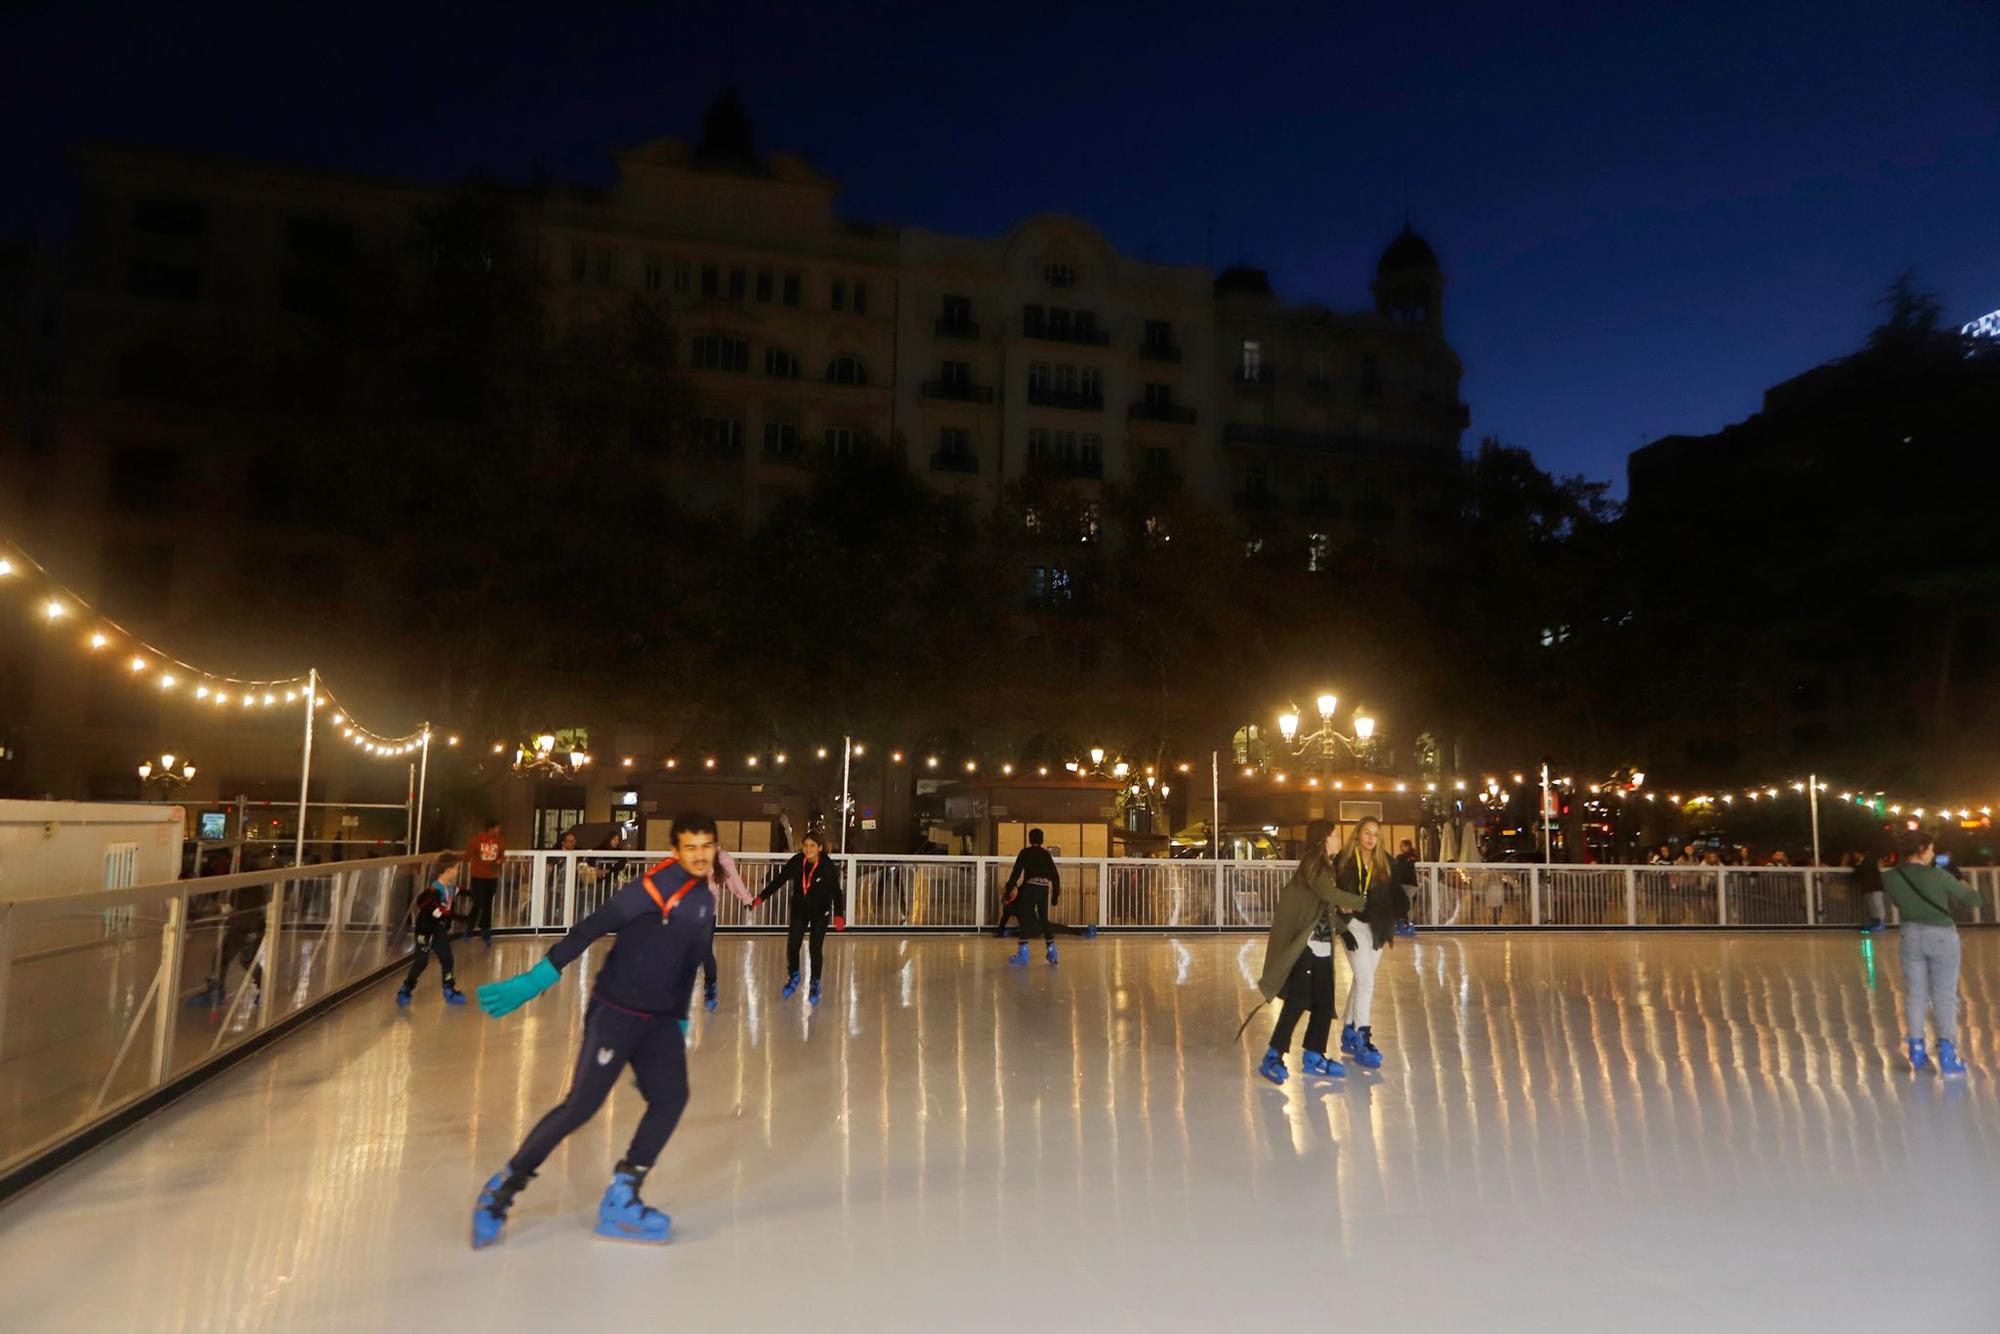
{"type": "Point", "coordinates": [665, 925]}
{"type": "Point", "coordinates": [483, 857]}
{"type": "Point", "coordinates": [816, 899]}
{"type": "Point", "coordinates": [1923, 894]}
{"type": "Point", "coordinates": [1406, 876]}
{"type": "Point", "coordinates": [724, 877]}
{"type": "Point", "coordinates": [1298, 957]}
{"type": "Point", "coordinates": [432, 911]}
{"type": "Point", "coordinates": [1363, 869]}
{"type": "Point", "coordinates": [1040, 888]}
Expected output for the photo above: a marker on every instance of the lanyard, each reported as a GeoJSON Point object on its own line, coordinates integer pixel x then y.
{"type": "Point", "coordinates": [666, 906]}
{"type": "Point", "coordinates": [806, 870]}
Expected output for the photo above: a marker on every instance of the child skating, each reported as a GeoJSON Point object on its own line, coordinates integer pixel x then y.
{"type": "Point", "coordinates": [433, 932]}
{"type": "Point", "coordinates": [816, 898]}
{"type": "Point", "coordinates": [664, 922]}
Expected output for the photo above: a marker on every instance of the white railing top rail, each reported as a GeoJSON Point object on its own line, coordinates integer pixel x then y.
{"type": "Point", "coordinates": [160, 890]}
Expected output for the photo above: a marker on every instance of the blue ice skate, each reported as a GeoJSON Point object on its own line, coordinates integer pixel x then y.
{"type": "Point", "coordinates": [708, 998]}
{"type": "Point", "coordinates": [1365, 1053]}
{"type": "Point", "coordinates": [1348, 1042]}
{"type": "Point", "coordinates": [453, 996]}
{"type": "Point", "coordinates": [1918, 1057]}
{"type": "Point", "coordinates": [623, 1216]}
{"type": "Point", "coordinates": [489, 1213]}
{"type": "Point", "coordinates": [812, 996]}
{"type": "Point", "coordinates": [1948, 1062]}
{"type": "Point", "coordinates": [1272, 1067]}
{"type": "Point", "coordinates": [403, 997]}
{"type": "Point", "coordinates": [1317, 1064]}
{"type": "Point", "coordinates": [792, 987]}
{"type": "Point", "coordinates": [1051, 952]}
{"type": "Point", "coordinates": [208, 997]}
{"type": "Point", "coordinates": [1090, 933]}
{"type": "Point", "coordinates": [1020, 955]}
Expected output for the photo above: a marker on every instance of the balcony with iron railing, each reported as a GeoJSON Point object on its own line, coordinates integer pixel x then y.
{"type": "Point", "coordinates": [958, 391]}
{"type": "Point", "coordinates": [1086, 335]}
{"type": "Point", "coordinates": [1080, 400]}
{"type": "Point", "coordinates": [1160, 412]}
{"type": "Point", "coordinates": [946, 327]}
{"type": "Point", "coordinates": [1159, 352]}
{"type": "Point", "coordinates": [1060, 465]}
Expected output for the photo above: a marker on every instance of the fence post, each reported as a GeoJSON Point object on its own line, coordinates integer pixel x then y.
{"type": "Point", "coordinates": [569, 889]}
{"type": "Point", "coordinates": [1812, 885]}
{"type": "Point", "coordinates": [1631, 896]}
{"type": "Point", "coordinates": [170, 988]}
{"type": "Point", "coordinates": [1220, 898]}
{"type": "Point", "coordinates": [538, 892]}
{"type": "Point", "coordinates": [1534, 896]}
{"type": "Point", "coordinates": [1103, 891]}
{"type": "Point", "coordinates": [1722, 896]}
{"type": "Point", "coordinates": [848, 882]}
{"type": "Point", "coordinates": [274, 921]}
{"type": "Point", "coordinates": [6, 966]}
{"type": "Point", "coordinates": [981, 870]}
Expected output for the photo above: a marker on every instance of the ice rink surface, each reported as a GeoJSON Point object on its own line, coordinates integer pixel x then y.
{"type": "Point", "coordinates": [1570, 1132]}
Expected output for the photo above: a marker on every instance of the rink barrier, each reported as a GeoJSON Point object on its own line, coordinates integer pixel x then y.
{"type": "Point", "coordinates": [550, 891]}
{"type": "Point", "coordinates": [71, 1075]}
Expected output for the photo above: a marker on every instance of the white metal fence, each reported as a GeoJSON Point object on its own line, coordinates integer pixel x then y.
{"type": "Point", "coordinates": [550, 891]}
{"type": "Point", "coordinates": [109, 995]}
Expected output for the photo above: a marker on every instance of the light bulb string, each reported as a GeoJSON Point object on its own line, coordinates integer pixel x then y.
{"type": "Point", "coordinates": [203, 681]}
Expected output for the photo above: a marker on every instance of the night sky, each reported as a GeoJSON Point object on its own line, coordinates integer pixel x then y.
{"type": "Point", "coordinates": [1647, 213]}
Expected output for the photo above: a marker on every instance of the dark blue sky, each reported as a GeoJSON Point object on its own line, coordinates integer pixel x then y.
{"type": "Point", "coordinates": [1647, 213]}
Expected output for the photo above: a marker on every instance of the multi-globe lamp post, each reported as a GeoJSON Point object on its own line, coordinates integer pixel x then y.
{"type": "Point", "coordinates": [1360, 743]}
{"type": "Point", "coordinates": [164, 772]}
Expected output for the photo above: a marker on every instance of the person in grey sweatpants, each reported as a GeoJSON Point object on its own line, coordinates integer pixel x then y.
{"type": "Point", "coordinates": [1923, 895]}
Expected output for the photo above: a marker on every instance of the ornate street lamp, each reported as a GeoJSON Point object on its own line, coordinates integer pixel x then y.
{"type": "Point", "coordinates": [165, 774]}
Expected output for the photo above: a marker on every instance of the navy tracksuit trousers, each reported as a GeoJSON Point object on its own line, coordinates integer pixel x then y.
{"type": "Point", "coordinates": [612, 1039]}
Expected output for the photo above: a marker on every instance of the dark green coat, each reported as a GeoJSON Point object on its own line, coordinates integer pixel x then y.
{"type": "Point", "coordinates": [1300, 904]}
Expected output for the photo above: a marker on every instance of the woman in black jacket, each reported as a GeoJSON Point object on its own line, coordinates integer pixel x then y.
{"type": "Point", "coordinates": [816, 898]}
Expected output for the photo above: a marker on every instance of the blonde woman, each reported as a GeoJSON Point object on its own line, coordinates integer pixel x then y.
{"type": "Point", "coordinates": [1363, 869]}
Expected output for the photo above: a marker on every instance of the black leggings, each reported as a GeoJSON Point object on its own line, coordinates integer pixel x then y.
{"type": "Point", "coordinates": [612, 1039]}
{"type": "Point", "coordinates": [801, 923]}
{"type": "Point", "coordinates": [1309, 987]}
{"type": "Point", "coordinates": [437, 942]}
{"type": "Point", "coordinates": [481, 920]}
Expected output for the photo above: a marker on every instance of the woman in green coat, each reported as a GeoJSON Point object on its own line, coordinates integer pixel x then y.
{"type": "Point", "coordinates": [1298, 957]}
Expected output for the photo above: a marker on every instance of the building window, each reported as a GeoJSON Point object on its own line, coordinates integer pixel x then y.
{"type": "Point", "coordinates": [954, 442]}
{"type": "Point", "coordinates": [780, 363]}
{"type": "Point", "coordinates": [839, 299]}
{"type": "Point", "coordinates": [681, 275]}
{"type": "Point", "coordinates": [1034, 320]}
{"type": "Point", "coordinates": [846, 369]}
{"type": "Point", "coordinates": [957, 312]}
{"type": "Point", "coordinates": [955, 373]}
{"type": "Point", "coordinates": [792, 284]}
{"type": "Point", "coordinates": [1159, 396]}
{"type": "Point", "coordinates": [719, 435]}
{"type": "Point", "coordinates": [766, 280]}
{"type": "Point", "coordinates": [1058, 275]}
{"type": "Point", "coordinates": [1038, 442]}
{"type": "Point", "coordinates": [1038, 377]}
{"type": "Point", "coordinates": [1159, 334]}
{"type": "Point", "coordinates": [653, 273]}
{"type": "Point", "coordinates": [1090, 448]}
{"type": "Point", "coordinates": [1253, 358]}
{"type": "Point", "coordinates": [738, 284]}
{"type": "Point", "coordinates": [781, 440]}
{"type": "Point", "coordinates": [843, 442]}
{"type": "Point", "coordinates": [157, 280]}
{"type": "Point", "coordinates": [159, 215]}
{"type": "Point", "coordinates": [711, 280]}
{"type": "Point", "coordinates": [1318, 548]}
{"type": "Point", "coordinates": [1090, 381]}
{"type": "Point", "coordinates": [714, 352]}
{"type": "Point", "coordinates": [1256, 480]}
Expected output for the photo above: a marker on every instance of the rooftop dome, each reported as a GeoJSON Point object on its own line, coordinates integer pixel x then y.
{"type": "Point", "coordinates": [1407, 252]}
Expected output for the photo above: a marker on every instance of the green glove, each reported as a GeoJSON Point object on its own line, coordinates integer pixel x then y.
{"type": "Point", "coordinates": [498, 998]}
{"type": "Point", "coordinates": [684, 1028]}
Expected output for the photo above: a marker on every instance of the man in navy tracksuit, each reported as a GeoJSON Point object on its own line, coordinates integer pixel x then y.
{"type": "Point", "coordinates": [665, 926]}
